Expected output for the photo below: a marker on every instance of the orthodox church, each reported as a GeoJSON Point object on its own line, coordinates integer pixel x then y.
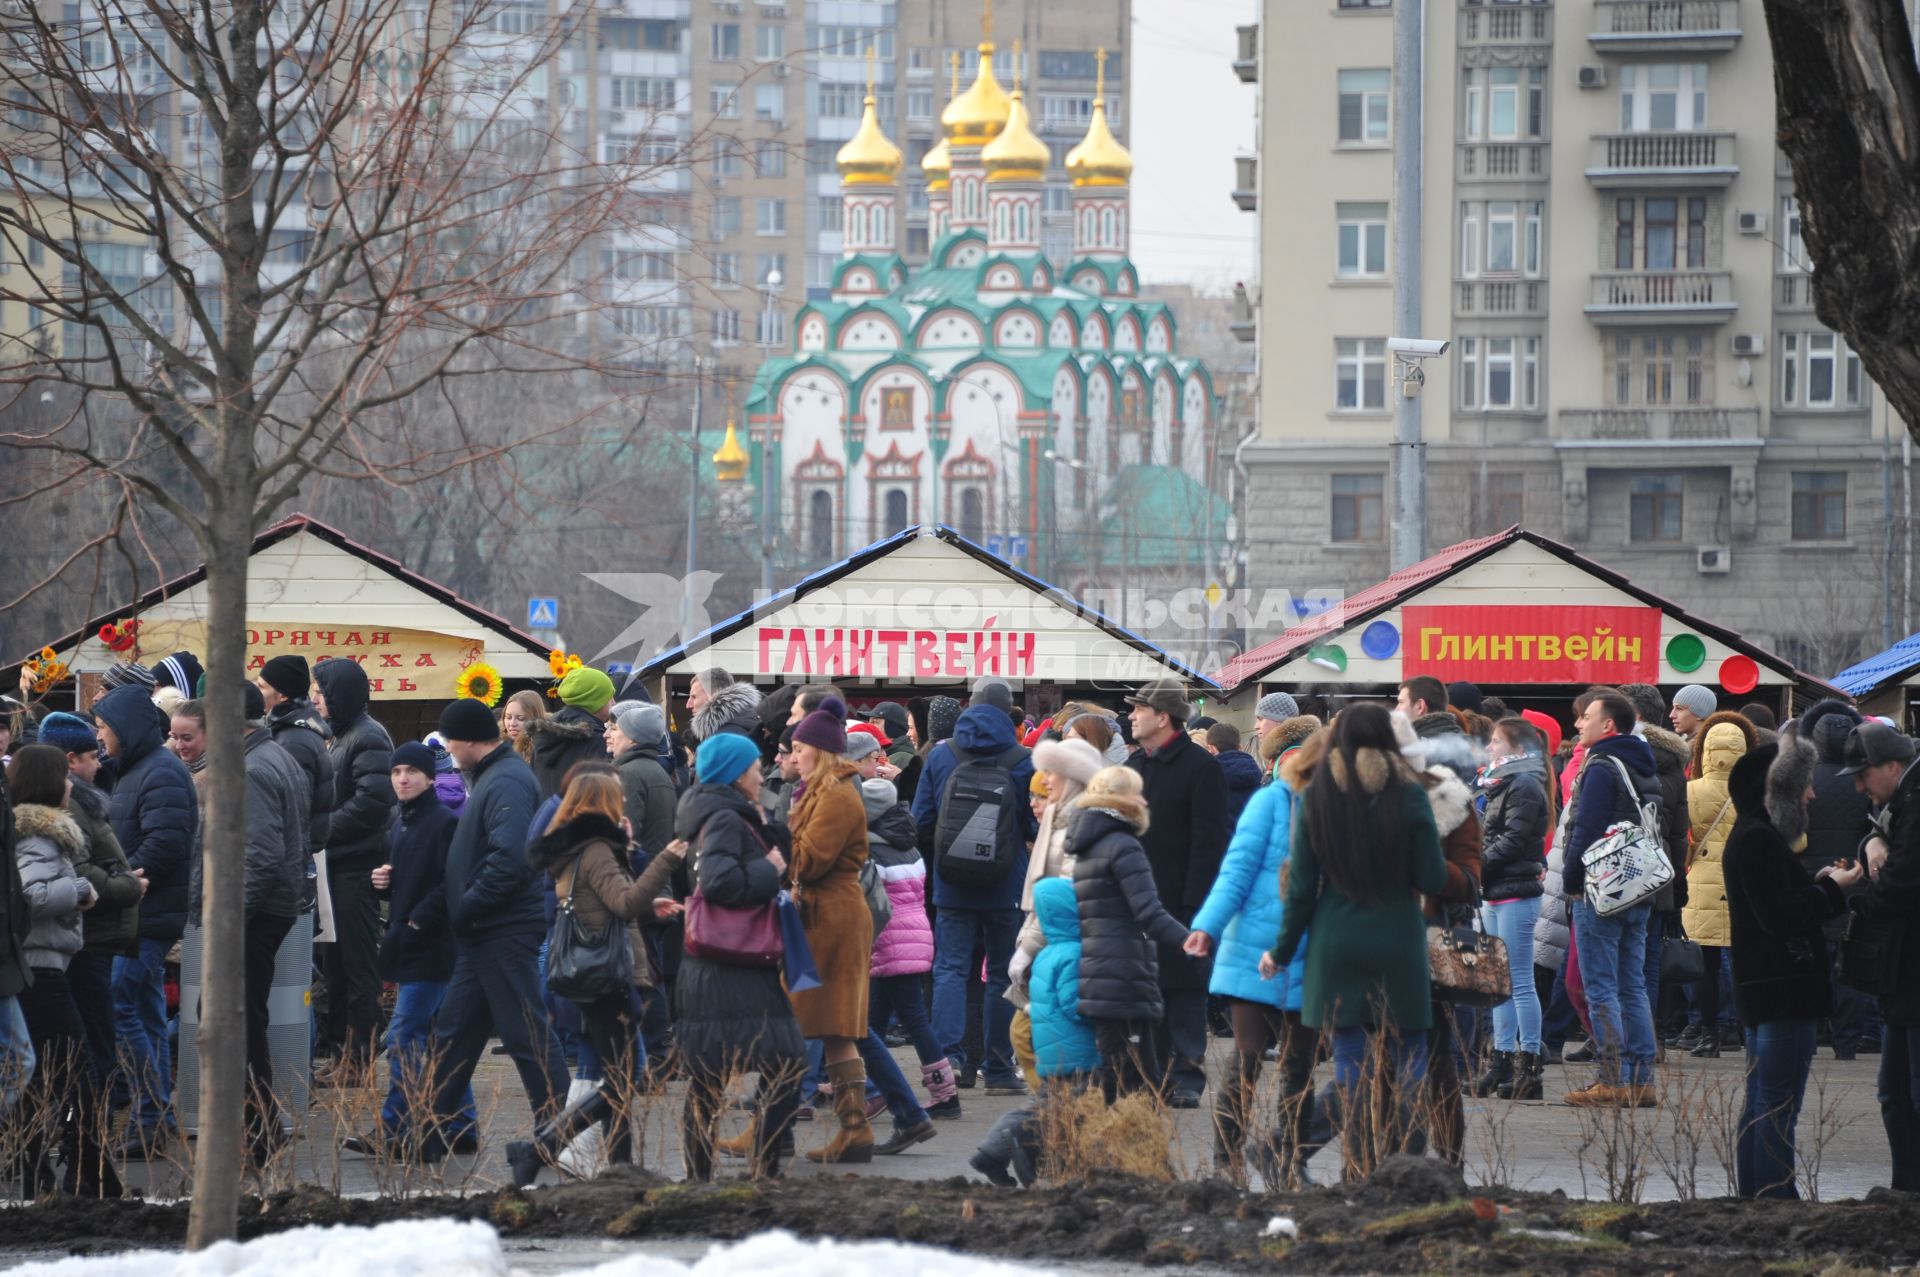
{"type": "Point", "coordinates": [985, 390]}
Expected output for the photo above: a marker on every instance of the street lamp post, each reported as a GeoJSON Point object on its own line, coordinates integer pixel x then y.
{"type": "Point", "coordinates": [1053, 513]}
{"type": "Point", "coordinates": [702, 366]}
{"type": "Point", "coordinates": [771, 288]}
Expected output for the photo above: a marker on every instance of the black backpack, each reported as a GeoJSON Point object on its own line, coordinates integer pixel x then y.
{"type": "Point", "coordinates": [978, 838]}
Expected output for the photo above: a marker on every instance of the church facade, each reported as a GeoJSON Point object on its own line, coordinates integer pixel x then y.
{"type": "Point", "coordinates": [983, 390]}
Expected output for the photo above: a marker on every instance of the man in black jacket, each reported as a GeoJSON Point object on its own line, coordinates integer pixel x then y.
{"type": "Point", "coordinates": [1671, 754]}
{"type": "Point", "coordinates": [299, 729]}
{"type": "Point", "coordinates": [16, 1047]}
{"type": "Point", "coordinates": [1186, 837]}
{"type": "Point", "coordinates": [497, 910]}
{"type": "Point", "coordinates": [363, 805]}
{"type": "Point", "coordinates": [1837, 819]}
{"type": "Point", "coordinates": [1881, 760]}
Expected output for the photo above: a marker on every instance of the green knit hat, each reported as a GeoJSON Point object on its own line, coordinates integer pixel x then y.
{"type": "Point", "coordinates": [588, 689]}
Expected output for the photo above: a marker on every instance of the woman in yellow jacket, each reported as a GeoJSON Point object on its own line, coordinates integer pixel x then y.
{"type": "Point", "coordinates": [1724, 740]}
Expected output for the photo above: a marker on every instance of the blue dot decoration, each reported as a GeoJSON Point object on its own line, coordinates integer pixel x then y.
{"type": "Point", "coordinates": [1380, 640]}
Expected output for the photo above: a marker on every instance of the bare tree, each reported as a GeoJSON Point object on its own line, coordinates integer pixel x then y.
{"type": "Point", "coordinates": [248, 234]}
{"type": "Point", "coordinates": [1848, 98]}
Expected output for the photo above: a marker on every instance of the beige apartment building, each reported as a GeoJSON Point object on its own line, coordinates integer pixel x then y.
{"type": "Point", "coordinates": [1612, 247]}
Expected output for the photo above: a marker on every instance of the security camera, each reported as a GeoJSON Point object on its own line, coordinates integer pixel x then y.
{"type": "Point", "coordinates": [1417, 347]}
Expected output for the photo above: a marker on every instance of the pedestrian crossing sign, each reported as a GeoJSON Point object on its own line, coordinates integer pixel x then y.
{"type": "Point", "coordinates": [543, 614]}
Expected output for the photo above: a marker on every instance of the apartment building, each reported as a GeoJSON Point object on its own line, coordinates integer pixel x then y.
{"type": "Point", "coordinates": [1611, 244]}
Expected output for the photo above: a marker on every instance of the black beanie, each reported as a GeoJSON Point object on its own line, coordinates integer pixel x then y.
{"type": "Point", "coordinates": [415, 755]}
{"type": "Point", "coordinates": [469, 720]}
{"type": "Point", "coordinates": [256, 702]}
{"type": "Point", "coordinates": [288, 675]}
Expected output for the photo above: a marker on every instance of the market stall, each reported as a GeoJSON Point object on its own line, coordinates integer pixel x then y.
{"type": "Point", "coordinates": [925, 612]}
{"type": "Point", "coordinates": [314, 592]}
{"type": "Point", "coordinates": [1886, 682]}
{"type": "Point", "coordinates": [1523, 618]}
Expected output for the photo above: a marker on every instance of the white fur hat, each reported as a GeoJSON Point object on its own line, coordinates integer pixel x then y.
{"type": "Point", "coordinates": [1072, 757]}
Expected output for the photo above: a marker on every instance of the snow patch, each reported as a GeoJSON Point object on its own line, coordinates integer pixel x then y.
{"type": "Point", "coordinates": [444, 1248]}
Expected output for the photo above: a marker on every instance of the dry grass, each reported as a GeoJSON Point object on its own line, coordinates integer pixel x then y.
{"type": "Point", "coordinates": [1085, 1138]}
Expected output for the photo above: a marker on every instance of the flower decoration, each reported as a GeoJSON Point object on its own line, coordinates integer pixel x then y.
{"type": "Point", "coordinates": [560, 664]}
{"type": "Point", "coordinates": [478, 682]}
{"type": "Point", "coordinates": [46, 671]}
{"type": "Point", "coordinates": [120, 636]}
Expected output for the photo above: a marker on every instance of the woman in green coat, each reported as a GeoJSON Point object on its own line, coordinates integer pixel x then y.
{"type": "Point", "coordinates": [1363, 848]}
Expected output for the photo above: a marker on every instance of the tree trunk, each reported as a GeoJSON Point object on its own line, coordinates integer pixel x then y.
{"type": "Point", "coordinates": [219, 1157]}
{"type": "Point", "coordinates": [1848, 95]}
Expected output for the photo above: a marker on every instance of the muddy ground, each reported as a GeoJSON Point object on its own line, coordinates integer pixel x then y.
{"type": "Point", "coordinates": [1410, 1220]}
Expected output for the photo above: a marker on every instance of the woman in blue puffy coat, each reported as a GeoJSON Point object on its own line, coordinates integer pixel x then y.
{"type": "Point", "coordinates": [1240, 912]}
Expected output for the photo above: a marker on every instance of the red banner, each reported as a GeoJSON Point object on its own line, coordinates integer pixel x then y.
{"type": "Point", "coordinates": [1496, 644]}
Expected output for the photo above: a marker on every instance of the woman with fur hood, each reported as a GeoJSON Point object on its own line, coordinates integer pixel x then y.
{"type": "Point", "coordinates": [1725, 738]}
{"type": "Point", "coordinates": [1782, 987]}
{"type": "Point", "coordinates": [65, 1095]}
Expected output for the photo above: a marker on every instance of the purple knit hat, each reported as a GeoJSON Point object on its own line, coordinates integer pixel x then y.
{"type": "Point", "coordinates": [825, 728]}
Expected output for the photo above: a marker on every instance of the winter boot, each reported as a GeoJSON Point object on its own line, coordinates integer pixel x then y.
{"type": "Point", "coordinates": [1230, 1102]}
{"type": "Point", "coordinates": [943, 1090]}
{"type": "Point", "coordinates": [1495, 1079]}
{"type": "Point", "coordinates": [527, 1156]}
{"type": "Point", "coordinates": [586, 1156]}
{"type": "Point", "coordinates": [853, 1142]}
{"type": "Point", "coordinates": [1527, 1082]}
{"type": "Point", "coordinates": [995, 1155]}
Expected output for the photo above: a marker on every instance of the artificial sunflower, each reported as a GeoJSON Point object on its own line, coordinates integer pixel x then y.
{"type": "Point", "coordinates": [478, 682]}
{"type": "Point", "coordinates": [47, 671]}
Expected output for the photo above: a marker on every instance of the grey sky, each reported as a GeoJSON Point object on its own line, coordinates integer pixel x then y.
{"type": "Point", "coordinates": [1189, 117]}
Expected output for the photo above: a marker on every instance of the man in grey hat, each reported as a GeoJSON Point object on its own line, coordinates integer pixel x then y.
{"type": "Point", "coordinates": [1186, 837]}
{"type": "Point", "coordinates": [1693, 705]}
{"type": "Point", "coordinates": [1273, 709]}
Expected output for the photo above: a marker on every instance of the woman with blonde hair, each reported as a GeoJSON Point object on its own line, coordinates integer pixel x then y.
{"type": "Point", "coordinates": [584, 851]}
{"type": "Point", "coordinates": [521, 711]}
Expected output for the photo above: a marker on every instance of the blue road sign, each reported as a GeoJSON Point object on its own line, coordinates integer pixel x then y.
{"type": "Point", "coordinates": [997, 546]}
{"type": "Point", "coordinates": [1017, 548]}
{"type": "Point", "coordinates": [543, 614]}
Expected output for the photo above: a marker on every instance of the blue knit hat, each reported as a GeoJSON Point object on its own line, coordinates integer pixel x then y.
{"type": "Point", "coordinates": [69, 733]}
{"type": "Point", "coordinates": [723, 757]}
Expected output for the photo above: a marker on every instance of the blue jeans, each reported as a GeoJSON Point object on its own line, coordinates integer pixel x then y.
{"type": "Point", "coordinates": [902, 999]}
{"type": "Point", "coordinates": [1900, 1102]}
{"type": "Point", "coordinates": [955, 935]}
{"type": "Point", "coordinates": [1516, 1022]}
{"type": "Point", "coordinates": [408, 1033]}
{"type": "Point", "coordinates": [1613, 954]}
{"type": "Point", "coordinates": [140, 1022]}
{"type": "Point", "coordinates": [16, 1054]}
{"type": "Point", "coordinates": [1779, 1056]}
{"type": "Point", "coordinates": [885, 1074]}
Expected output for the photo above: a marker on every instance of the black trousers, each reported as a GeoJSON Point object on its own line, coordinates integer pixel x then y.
{"type": "Point", "coordinates": [612, 1026]}
{"type": "Point", "coordinates": [62, 1107]}
{"type": "Point", "coordinates": [495, 989]}
{"type": "Point", "coordinates": [1129, 1061]}
{"type": "Point", "coordinates": [1180, 1039]}
{"type": "Point", "coordinates": [264, 934]}
{"type": "Point", "coordinates": [90, 976]}
{"type": "Point", "coordinates": [352, 966]}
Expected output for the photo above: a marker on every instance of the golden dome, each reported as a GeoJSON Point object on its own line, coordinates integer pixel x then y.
{"type": "Point", "coordinates": [869, 158]}
{"type": "Point", "coordinates": [977, 116]}
{"type": "Point", "coordinates": [1017, 155]}
{"type": "Point", "coordinates": [1099, 160]}
{"type": "Point", "coordinates": [937, 164]}
{"type": "Point", "coordinates": [731, 461]}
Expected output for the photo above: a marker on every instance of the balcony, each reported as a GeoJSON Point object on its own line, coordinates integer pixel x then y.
{"type": "Point", "coordinates": [1665, 26]}
{"type": "Point", "coordinates": [1246, 182]}
{"type": "Point", "coordinates": [1793, 292]}
{"type": "Point", "coordinates": [1502, 162]}
{"type": "Point", "coordinates": [1517, 298]}
{"type": "Point", "coordinates": [1246, 58]}
{"type": "Point", "coordinates": [1506, 24]}
{"type": "Point", "coordinates": [1643, 160]}
{"type": "Point", "coordinates": [1684, 425]}
{"type": "Point", "coordinates": [1662, 297]}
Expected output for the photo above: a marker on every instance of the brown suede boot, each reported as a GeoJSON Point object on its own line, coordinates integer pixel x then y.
{"type": "Point", "coordinates": [853, 1142]}
{"type": "Point", "coordinates": [740, 1146]}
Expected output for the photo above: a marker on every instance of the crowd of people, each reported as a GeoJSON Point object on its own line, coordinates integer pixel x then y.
{"type": "Point", "coordinates": [790, 889]}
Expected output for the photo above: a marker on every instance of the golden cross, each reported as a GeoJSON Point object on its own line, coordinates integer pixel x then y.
{"type": "Point", "coordinates": [1100, 74]}
{"type": "Point", "coordinates": [986, 21]}
{"type": "Point", "coordinates": [953, 59]}
{"type": "Point", "coordinates": [869, 71]}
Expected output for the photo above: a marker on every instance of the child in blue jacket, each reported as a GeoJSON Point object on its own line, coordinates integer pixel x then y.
{"type": "Point", "coordinates": [1063, 1042]}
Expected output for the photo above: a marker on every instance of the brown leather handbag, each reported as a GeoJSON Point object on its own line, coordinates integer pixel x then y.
{"type": "Point", "coordinates": [1466, 965]}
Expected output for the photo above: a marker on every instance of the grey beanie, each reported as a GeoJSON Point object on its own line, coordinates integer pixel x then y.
{"type": "Point", "coordinates": [1696, 700]}
{"type": "Point", "coordinates": [1277, 706]}
{"type": "Point", "coordinates": [860, 745]}
{"type": "Point", "coordinates": [644, 725]}
{"type": "Point", "coordinates": [880, 796]}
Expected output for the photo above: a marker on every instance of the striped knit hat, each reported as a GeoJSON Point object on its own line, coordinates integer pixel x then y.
{"type": "Point", "coordinates": [127, 673]}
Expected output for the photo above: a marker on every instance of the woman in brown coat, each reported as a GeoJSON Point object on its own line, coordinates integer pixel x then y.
{"type": "Point", "coordinates": [829, 824]}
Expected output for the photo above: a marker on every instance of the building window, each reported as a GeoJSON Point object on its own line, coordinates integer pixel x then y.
{"type": "Point", "coordinates": [1501, 237]}
{"type": "Point", "coordinates": [729, 154]}
{"type": "Point", "coordinates": [1358, 508]}
{"type": "Point", "coordinates": [726, 270]}
{"type": "Point", "coordinates": [770, 329]}
{"type": "Point", "coordinates": [770, 217]}
{"type": "Point", "coordinates": [831, 212]}
{"type": "Point", "coordinates": [770, 157]}
{"type": "Point", "coordinates": [1499, 373]}
{"type": "Point", "coordinates": [1530, 374]}
{"type": "Point", "coordinates": [726, 215]}
{"type": "Point", "coordinates": [1499, 501]}
{"type": "Point", "coordinates": [770, 103]}
{"type": "Point", "coordinates": [724, 41]}
{"type": "Point", "coordinates": [820, 524]}
{"type": "Point", "coordinates": [895, 502]}
{"type": "Point", "coordinates": [726, 326]}
{"type": "Point", "coordinates": [632, 265]}
{"type": "Point", "coordinates": [973, 515]}
{"type": "Point", "coordinates": [1659, 370]}
{"type": "Point", "coordinates": [1363, 107]}
{"type": "Point", "coordinates": [1817, 370]}
{"type": "Point", "coordinates": [1493, 107]}
{"type": "Point", "coordinates": [1671, 233]}
{"type": "Point", "coordinates": [769, 41]}
{"type": "Point", "coordinates": [1793, 248]}
{"type": "Point", "coordinates": [1663, 97]}
{"type": "Point", "coordinates": [724, 100]}
{"type": "Point", "coordinates": [640, 93]}
{"type": "Point", "coordinates": [1819, 505]}
{"type": "Point", "coordinates": [1654, 508]}
{"type": "Point", "coordinates": [1360, 374]}
{"type": "Point", "coordinates": [1362, 241]}
{"type": "Point", "coordinates": [919, 104]}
